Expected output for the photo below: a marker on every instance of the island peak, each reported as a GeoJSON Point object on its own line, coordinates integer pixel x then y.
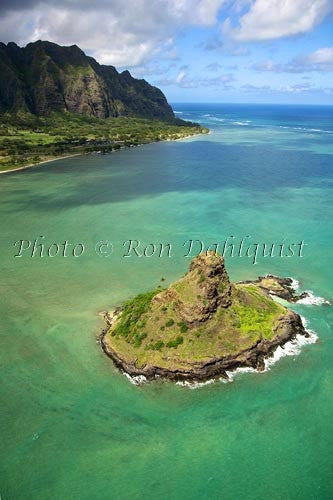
{"type": "Point", "coordinates": [198, 294]}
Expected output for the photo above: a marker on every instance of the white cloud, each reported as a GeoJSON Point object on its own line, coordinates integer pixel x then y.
{"type": "Point", "coordinates": [214, 66]}
{"type": "Point", "coordinates": [272, 19]}
{"type": "Point", "coordinates": [202, 12]}
{"type": "Point", "coordinates": [150, 69]}
{"type": "Point", "coordinates": [320, 60]}
{"type": "Point", "coordinates": [180, 77]}
{"type": "Point", "coordinates": [296, 89]}
{"type": "Point", "coordinates": [183, 80]}
{"type": "Point", "coordinates": [225, 46]}
{"type": "Point", "coordinates": [322, 56]}
{"type": "Point", "coordinates": [114, 32]}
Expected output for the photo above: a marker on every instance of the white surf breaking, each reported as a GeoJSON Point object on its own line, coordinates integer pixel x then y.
{"type": "Point", "coordinates": [313, 300]}
{"type": "Point", "coordinates": [246, 123]}
{"type": "Point", "coordinates": [136, 379]}
{"type": "Point", "coordinates": [194, 385]}
{"type": "Point", "coordinates": [240, 122]}
{"type": "Point", "coordinates": [294, 284]}
{"type": "Point", "coordinates": [291, 348]}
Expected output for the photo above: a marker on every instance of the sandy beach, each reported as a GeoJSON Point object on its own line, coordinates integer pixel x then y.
{"type": "Point", "coordinates": [39, 163]}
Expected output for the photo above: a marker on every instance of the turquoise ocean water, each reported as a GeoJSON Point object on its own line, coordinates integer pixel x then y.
{"type": "Point", "coordinates": [72, 427]}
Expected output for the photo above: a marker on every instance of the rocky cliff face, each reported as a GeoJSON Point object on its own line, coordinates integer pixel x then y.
{"type": "Point", "coordinates": [201, 291]}
{"type": "Point", "coordinates": [216, 287]}
{"type": "Point", "coordinates": [44, 77]}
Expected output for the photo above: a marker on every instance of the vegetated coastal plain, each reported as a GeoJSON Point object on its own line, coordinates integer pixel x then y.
{"type": "Point", "coordinates": [27, 139]}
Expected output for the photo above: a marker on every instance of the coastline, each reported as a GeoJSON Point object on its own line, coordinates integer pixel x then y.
{"type": "Point", "coordinates": [24, 167]}
{"type": "Point", "coordinates": [39, 163]}
{"type": "Point", "coordinates": [291, 348]}
{"type": "Point", "coordinates": [188, 136]}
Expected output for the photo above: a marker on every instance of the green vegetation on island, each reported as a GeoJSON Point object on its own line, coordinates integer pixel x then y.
{"type": "Point", "coordinates": [199, 326]}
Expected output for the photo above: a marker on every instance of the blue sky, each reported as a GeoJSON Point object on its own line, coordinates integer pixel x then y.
{"type": "Point", "coordinates": [210, 66]}
{"type": "Point", "coordinates": [278, 51]}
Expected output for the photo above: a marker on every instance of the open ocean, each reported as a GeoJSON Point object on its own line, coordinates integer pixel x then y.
{"type": "Point", "coordinates": [72, 427]}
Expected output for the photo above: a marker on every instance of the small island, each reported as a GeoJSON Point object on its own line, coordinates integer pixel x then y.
{"type": "Point", "coordinates": [201, 326]}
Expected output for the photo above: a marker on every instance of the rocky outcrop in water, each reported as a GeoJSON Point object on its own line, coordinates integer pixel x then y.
{"type": "Point", "coordinates": [279, 287]}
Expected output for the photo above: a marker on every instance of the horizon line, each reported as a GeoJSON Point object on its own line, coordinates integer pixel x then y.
{"type": "Point", "coordinates": [251, 103]}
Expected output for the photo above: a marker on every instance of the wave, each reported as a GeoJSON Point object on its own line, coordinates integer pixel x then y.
{"type": "Point", "coordinates": [178, 112]}
{"type": "Point", "coordinates": [196, 385]}
{"type": "Point", "coordinates": [246, 123]}
{"type": "Point", "coordinates": [136, 379]}
{"type": "Point", "coordinates": [214, 118]}
{"type": "Point", "coordinates": [294, 284]}
{"type": "Point", "coordinates": [313, 300]}
{"type": "Point", "coordinates": [243, 123]}
{"type": "Point", "coordinates": [290, 348]}
{"type": "Point", "coordinates": [226, 120]}
{"type": "Point", "coordinates": [243, 369]}
{"type": "Point", "coordinates": [304, 129]}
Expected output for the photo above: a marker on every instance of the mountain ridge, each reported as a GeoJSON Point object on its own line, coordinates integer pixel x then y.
{"type": "Point", "coordinates": [44, 77]}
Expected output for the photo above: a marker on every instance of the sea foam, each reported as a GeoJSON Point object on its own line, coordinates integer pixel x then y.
{"type": "Point", "coordinates": [136, 379]}
{"type": "Point", "coordinates": [313, 300]}
{"type": "Point", "coordinates": [194, 385]}
{"type": "Point", "coordinates": [290, 348]}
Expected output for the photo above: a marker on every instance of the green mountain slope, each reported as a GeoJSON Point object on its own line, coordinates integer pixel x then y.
{"type": "Point", "coordinates": [44, 77]}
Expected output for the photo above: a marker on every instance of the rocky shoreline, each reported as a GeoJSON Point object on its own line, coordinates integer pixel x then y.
{"type": "Point", "coordinates": [278, 287]}
{"type": "Point", "coordinates": [254, 357]}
